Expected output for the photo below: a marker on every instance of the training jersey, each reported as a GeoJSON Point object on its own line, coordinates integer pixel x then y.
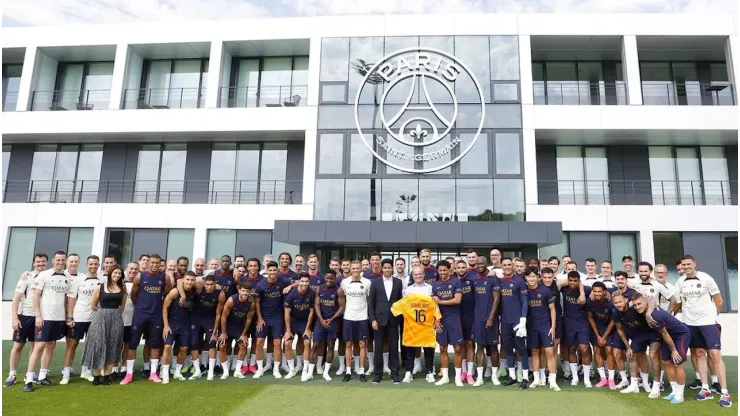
{"type": "Point", "coordinates": [25, 286]}
{"type": "Point", "coordinates": [356, 293]}
{"type": "Point", "coordinates": [588, 281]}
{"type": "Point", "coordinates": [513, 299]}
{"type": "Point", "coordinates": [483, 288]}
{"type": "Point", "coordinates": [54, 287]}
{"type": "Point", "coordinates": [150, 297]}
{"type": "Point", "coordinates": [602, 312]}
{"type": "Point", "coordinates": [653, 291]}
{"type": "Point", "coordinates": [315, 281]}
{"type": "Point", "coordinates": [446, 290]}
{"type": "Point", "coordinates": [558, 303]}
{"type": "Point", "coordinates": [370, 275]}
{"type": "Point", "coordinates": [610, 284]}
{"type": "Point", "coordinates": [300, 304]}
{"type": "Point", "coordinates": [253, 281]}
{"type": "Point", "coordinates": [179, 315]}
{"type": "Point", "coordinates": [419, 313]}
{"type": "Point", "coordinates": [328, 301]}
{"type": "Point", "coordinates": [695, 295]}
{"type": "Point", "coordinates": [632, 322]}
{"type": "Point", "coordinates": [627, 292]}
{"type": "Point", "coordinates": [128, 310]}
{"type": "Point", "coordinates": [239, 312]}
{"type": "Point", "coordinates": [290, 274]}
{"type": "Point", "coordinates": [83, 291]}
{"type": "Point", "coordinates": [225, 281]}
{"type": "Point", "coordinates": [467, 305]}
{"type": "Point", "coordinates": [672, 325]}
{"type": "Point", "coordinates": [430, 274]}
{"type": "Point", "coordinates": [271, 297]}
{"type": "Point", "coordinates": [206, 304]}
{"type": "Point", "coordinates": [665, 303]}
{"type": "Point", "coordinates": [574, 313]}
{"type": "Point", "coordinates": [539, 300]}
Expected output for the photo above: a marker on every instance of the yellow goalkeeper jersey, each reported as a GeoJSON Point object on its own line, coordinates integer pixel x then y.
{"type": "Point", "coordinates": [419, 313]}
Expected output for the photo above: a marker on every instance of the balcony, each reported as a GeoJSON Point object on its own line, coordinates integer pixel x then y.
{"type": "Point", "coordinates": [265, 96]}
{"type": "Point", "coordinates": [164, 98]}
{"type": "Point", "coordinates": [671, 93]}
{"type": "Point", "coordinates": [155, 192]}
{"type": "Point", "coordinates": [579, 93]}
{"type": "Point", "coordinates": [565, 192]}
{"type": "Point", "coordinates": [10, 100]}
{"type": "Point", "coordinates": [70, 100]}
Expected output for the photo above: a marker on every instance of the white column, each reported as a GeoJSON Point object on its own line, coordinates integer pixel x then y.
{"type": "Point", "coordinates": [309, 166]}
{"type": "Point", "coordinates": [530, 164]}
{"type": "Point", "coordinates": [200, 243]}
{"type": "Point", "coordinates": [631, 69]}
{"type": "Point", "coordinates": [525, 70]}
{"type": "Point", "coordinates": [24, 89]}
{"type": "Point", "coordinates": [214, 74]}
{"type": "Point", "coordinates": [99, 243]}
{"type": "Point", "coordinates": [528, 137]}
{"type": "Point", "coordinates": [314, 71]}
{"type": "Point", "coordinates": [120, 71]}
{"type": "Point", "coordinates": [732, 59]}
{"type": "Point", "coordinates": [647, 247]}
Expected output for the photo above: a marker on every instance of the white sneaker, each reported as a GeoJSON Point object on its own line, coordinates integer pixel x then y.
{"type": "Point", "coordinates": [370, 369]}
{"type": "Point", "coordinates": [622, 384]}
{"type": "Point", "coordinates": [340, 371]}
{"type": "Point", "coordinates": [198, 374]}
{"type": "Point", "coordinates": [299, 367]}
{"type": "Point", "coordinates": [285, 368]}
{"type": "Point", "coordinates": [417, 367]}
{"type": "Point", "coordinates": [647, 388]}
{"type": "Point", "coordinates": [543, 383]}
{"type": "Point", "coordinates": [494, 380]}
{"type": "Point", "coordinates": [655, 392]}
{"type": "Point", "coordinates": [64, 381]}
{"type": "Point", "coordinates": [259, 373]}
{"type": "Point", "coordinates": [178, 376]}
{"type": "Point", "coordinates": [458, 382]}
{"type": "Point", "coordinates": [306, 377]}
{"type": "Point", "coordinates": [554, 386]}
{"type": "Point", "coordinates": [534, 384]}
{"type": "Point", "coordinates": [326, 376]}
{"type": "Point", "coordinates": [268, 368]}
{"type": "Point", "coordinates": [442, 381]}
{"type": "Point", "coordinates": [430, 378]}
{"type": "Point", "coordinates": [165, 380]}
{"type": "Point", "coordinates": [225, 375]}
{"type": "Point", "coordinates": [276, 373]}
{"type": "Point", "coordinates": [487, 372]}
{"type": "Point", "coordinates": [631, 389]}
{"type": "Point", "coordinates": [574, 382]}
{"type": "Point", "coordinates": [587, 383]}
{"type": "Point", "coordinates": [209, 377]}
{"type": "Point", "coordinates": [238, 373]}
{"type": "Point", "coordinates": [478, 382]}
{"type": "Point", "coordinates": [290, 375]}
{"type": "Point", "coordinates": [408, 378]}
{"type": "Point", "coordinates": [386, 370]}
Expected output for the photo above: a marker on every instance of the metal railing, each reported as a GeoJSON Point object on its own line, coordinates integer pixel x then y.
{"type": "Point", "coordinates": [579, 93]}
{"type": "Point", "coordinates": [565, 192]}
{"type": "Point", "coordinates": [164, 98]}
{"type": "Point", "coordinates": [268, 192]}
{"type": "Point", "coordinates": [687, 93]}
{"type": "Point", "coordinates": [10, 100]}
{"type": "Point", "coordinates": [70, 100]}
{"type": "Point", "coordinates": [264, 96]}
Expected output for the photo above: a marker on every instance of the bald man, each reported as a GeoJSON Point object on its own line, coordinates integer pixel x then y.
{"type": "Point", "coordinates": [199, 267]}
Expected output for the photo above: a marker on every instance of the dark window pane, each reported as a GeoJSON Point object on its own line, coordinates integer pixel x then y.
{"type": "Point", "coordinates": [436, 199]}
{"type": "Point", "coordinates": [362, 199]}
{"type": "Point", "coordinates": [119, 244]}
{"type": "Point", "coordinates": [668, 249]}
{"type": "Point", "coordinates": [247, 168]}
{"type": "Point", "coordinates": [400, 200]}
{"type": "Point", "coordinates": [474, 199]}
{"type": "Point", "coordinates": [731, 257]}
{"type": "Point", "coordinates": [329, 199]}
{"type": "Point", "coordinates": [508, 202]}
{"type": "Point", "coordinates": [331, 148]}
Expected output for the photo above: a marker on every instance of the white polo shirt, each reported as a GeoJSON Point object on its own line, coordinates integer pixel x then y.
{"type": "Point", "coordinates": [54, 287]}
{"type": "Point", "coordinates": [695, 293]}
{"type": "Point", "coordinates": [25, 286]}
{"type": "Point", "coordinates": [356, 293]}
{"type": "Point", "coordinates": [82, 290]}
{"type": "Point", "coordinates": [423, 289]}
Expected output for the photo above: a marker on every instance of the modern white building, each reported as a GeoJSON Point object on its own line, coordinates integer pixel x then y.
{"type": "Point", "coordinates": [593, 135]}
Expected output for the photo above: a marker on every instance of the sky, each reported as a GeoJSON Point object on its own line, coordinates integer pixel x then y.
{"type": "Point", "coordinates": [70, 12]}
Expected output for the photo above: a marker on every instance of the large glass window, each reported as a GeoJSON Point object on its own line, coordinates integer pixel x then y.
{"type": "Point", "coordinates": [18, 257]}
{"type": "Point", "coordinates": [329, 197]}
{"type": "Point", "coordinates": [66, 173]}
{"type": "Point", "coordinates": [583, 175]}
{"type": "Point", "coordinates": [180, 243]}
{"type": "Point", "coordinates": [220, 242]}
{"type": "Point", "coordinates": [273, 167]}
{"type": "Point", "coordinates": [468, 50]}
{"type": "Point", "coordinates": [334, 59]}
{"type": "Point", "coordinates": [361, 199]}
{"type": "Point", "coordinates": [360, 159]}
{"type": "Point", "coordinates": [119, 244]}
{"type": "Point", "coordinates": [275, 80]}
{"type": "Point", "coordinates": [176, 83]}
{"type": "Point", "coordinates": [715, 175]}
{"type": "Point", "coordinates": [508, 199]}
{"type": "Point", "coordinates": [436, 200]}
{"type": "Point", "coordinates": [248, 173]}
{"type": "Point", "coordinates": [504, 55]}
{"type": "Point", "coordinates": [689, 175]}
{"type": "Point", "coordinates": [474, 200]}
{"type": "Point", "coordinates": [331, 153]}
{"type": "Point", "coordinates": [668, 248]}
{"type": "Point", "coordinates": [160, 176]}
{"type": "Point", "coordinates": [11, 85]}
{"type": "Point", "coordinates": [400, 200]}
{"type": "Point", "coordinates": [477, 160]}
{"type": "Point", "coordinates": [622, 244]}
{"type": "Point", "coordinates": [731, 252]}
{"type": "Point", "coordinates": [363, 54]}
{"type": "Point", "coordinates": [507, 154]}
{"type": "Point", "coordinates": [80, 242]}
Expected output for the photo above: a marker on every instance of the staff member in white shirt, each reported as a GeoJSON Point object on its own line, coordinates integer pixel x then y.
{"type": "Point", "coordinates": [79, 305]}
{"type": "Point", "coordinates": [400, 267]}
{"type": "Point", "coordinates": [49, 296]}
{"type": "Point", "coordinates": [419, 287]}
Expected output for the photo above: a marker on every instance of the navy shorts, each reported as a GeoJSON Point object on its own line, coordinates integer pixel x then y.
{"type": "Point", "coordinates": [151, 326]}
{"type": "Point", "coordinates": [252, 331]}
{"type": "Point", "coordinates": [577, 336]}
{"type": "Point", "coordinates": [178, 336]}
{"type": "Point", "coordinates": [51, 331]}
{"type": "Point", "coordinates": [26, 331]}
{"type": "Point", "coordinates": [78, 331]}
{"type": "Point", "coordinates": [355, 330]}
{"type": "Point", "coordinates": [707, 336]}
{"type": "Point", "coordinates": [321, 334]}
{"type": "Point", "coordinates": [595, 341]}
{"type": "Point", "coordinates": [451, 332]}
{"type": "Point", "coordinates": [272, 327]}
{"type": "Point", "coordinates": [682, 346]}
{"type": "Point", "coordinates": [202, 329]}
{"type": "Point", "coordinates": [558, 327]}
{"type": "Point", "coordinates": [483, 335]}
{"type": "Point", "coordinates": [126, 335]}
{"type": "Point", "coordinates": [298, 328]}
{"type": "Point", "coordinates": [467, 327]}
{"type": "Point", "coordinates": [613, 340]}
{"type": "Point", "coordinates": [640, 342]}
{"type": "Point", "coordinates": [538, 338]}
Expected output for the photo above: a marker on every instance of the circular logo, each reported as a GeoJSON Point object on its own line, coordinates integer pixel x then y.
{"type": "Point", "coordinates": [415, 127]}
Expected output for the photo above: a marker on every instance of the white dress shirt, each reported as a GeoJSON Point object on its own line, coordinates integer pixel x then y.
{"type": "Point", "coordinates": [423, 289]}
{"type": "Point", "coordinates": [388, 284]}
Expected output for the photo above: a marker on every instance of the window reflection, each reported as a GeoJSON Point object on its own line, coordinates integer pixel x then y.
{"type": "Point", "coordinates": [6, 161]}
{"type": "Point", "coordinates": [504, 53]}
{"type": "Point", "coordinates": [272, 173]}
{"type": "Point", "coordinates": [474, 200]}
{"type": "Point", "coordinates": [436, 200]}
{"type": "Point", "coordinates": [362, 199]}
{"type": "Point", "coordinates": [363, 54]}
{"type": "Point", "coordinates": [508, 199]}
{"type": "Point", "coordinates": [329, 199]}
{"type": "Point", "coordinates": [468, 51]}
{"type": "Point", "coordinates": [334, 59]}
{"type": "Point", "coordinates": [64, 173]}
{"type": "Point", "coordinates": [400, 200]}
{"type": "Point", "coordinates": [508, 159]}
{"type": "Point", "coordinates": [172, 173]}
{"type": "Point", "coordinates": [476, 161]}
{"type": "Point", "coordinates": [668, 249]}
{"type": "Point", "coordinates": [361, 160]}
{"type": "Point", "coordinates": [331, 152]}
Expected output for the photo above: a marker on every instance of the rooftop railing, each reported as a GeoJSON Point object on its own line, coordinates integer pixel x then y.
{"type": "Point", "coordinates": [571, 192]}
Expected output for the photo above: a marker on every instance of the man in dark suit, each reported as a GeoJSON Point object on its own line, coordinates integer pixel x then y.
{"type": "Point", "coordinates": [384, 292]}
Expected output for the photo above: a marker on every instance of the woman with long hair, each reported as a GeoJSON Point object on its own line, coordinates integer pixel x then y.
{"type": "Point", "coordinates": [105, 336]}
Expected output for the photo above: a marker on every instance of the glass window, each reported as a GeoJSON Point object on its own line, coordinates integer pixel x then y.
{"type": "Point", "coordinates": [508, 159]}
{"type": "Point", "coordinates": [621, 245]}
{"type": "Point", "coordinates": [333, 93]}
{"type": "Point", "coordinates": [731, 251]}
{"type": "Point", "coordinates": [363, 54]}
{"type": "Point", "coordinates": [299, 83]}
{"type": "Point", "coordinates": [505, 92]}
{"type": "Point", "coordinates": [715, 175]}
{"type": "Point", "coordinates": [398, 161]}
{"type": "Point", "coordinates": [468, 50]}
{"type": "Point", "coordinates": [569, 164]}
{"type": "Point", "coordinates": [331, 152]}
{"type": "Point", "coordinates": [6, 161]}
{"type": "Point", "coordinates": [718, 72]}
{"type": "Point", "coordinates": [334, 59]}
{"type": "Point", "coordinates": [275, 80]}
{"type": "Point", "coordinates": [474, 200]}
{"type": "Point", "coordinates": [361, 199]}
{"type": "Point", "coordinates": [185, 84]}
{"type": "Point", "coordinates": [80, 242]}
{"type": "Point", "coordinates": [18, 257]}
{"type": "Point", "coordinates": [689, 175]}
{"type": "Point", "coordinates": [220, 242]}
{"type": "Point", "coordinates": [361, 160]}
{"type": "Point", "coordinates": [436, 200]}
{"type": "Point", "coordinates": [147, 173]}
{"type": "Point", "coordinates": [98, 83]}
{"type": "Point", "coordinates": [247, 83]}
{"type": "Point", "coordinates": [11, 85]}
{"type": "Point", "coordinates": [273, 169]}
{"type": "Point", "coordinates": [668, 248]}
{"type": "Point", "coordinates": [88, 173]}
{"type": "Point", "coordinates": [597, 175]}
{"type": "Point", "coordinates": [247, 168]}
{"type": "Point", "coordinates": [42, 173]}
{"type": "Point", "coordinates": [329, 199]}
{"type": "Point", "coordinates": [119, 244]}
{"type": "Point", "coordinates": [476, 161]}
{"type": "Point", "coordinates": [172, 173]}
{"type": "Point", "coordinates": [558, 250]}
{"type": "Point", "coordinates": [64, 173]}
{"type": "Point", "coordinates": [663, 175]}
{"type": "Point", "coordinates": [400, 201]}
{"type": "Point", "coordinates": [180, 243]}
{"type": "Point", "coordinates": [508, 199]}
{"type": "Point", "coordinates": [400, 91]}
{"type": "Point", "coordinates": [223, 173]}
{"type": "Point", "coordinates": [442, 159]}
{"type": "Point", "coordinates": [504, 53]}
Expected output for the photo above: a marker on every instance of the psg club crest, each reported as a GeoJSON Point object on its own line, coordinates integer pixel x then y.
{"type": "Point", "coordinates": [418, 109]}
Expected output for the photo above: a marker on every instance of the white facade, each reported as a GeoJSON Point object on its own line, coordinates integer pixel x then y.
{"type": "Point", "coordinates": [583, 125]}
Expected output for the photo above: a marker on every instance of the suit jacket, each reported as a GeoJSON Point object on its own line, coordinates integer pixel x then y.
{"type": "Point", "coordinates": [379, 306]}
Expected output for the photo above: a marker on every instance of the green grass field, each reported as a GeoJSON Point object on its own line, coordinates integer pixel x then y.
{"type": "Point", "coordinates": [278, 397]}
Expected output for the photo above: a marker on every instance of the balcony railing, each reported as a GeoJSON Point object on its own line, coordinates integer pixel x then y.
{"type": "Point", "coordinates": [155, 192]}
{"type": "Point", "coordinates": [688, 93]}
{"type": "Point", "coordinates": [70, 100]}
{"type": "Point", "coordinates": [564, 192]}
{"type": "Point", "coordinates": [10, 100]}
{"type": "Point", "coordinates": [579, 93]}
{"type": "Point", "coordinates": [164, 98]}
{"type": "Point", "coordinates": [264, 96]}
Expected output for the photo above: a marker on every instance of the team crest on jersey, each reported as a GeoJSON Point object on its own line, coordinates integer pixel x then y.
{"type": "Point", "coordinates": [698, 285]}
{"type": "Point", "coordinates": [331, 296]}
{"type": "Point", "coordinates": [539, 295]}
{"type": "Point", "coordinates": [652, 290]}
{"type": "Point", "coordinates": [362, 287]}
